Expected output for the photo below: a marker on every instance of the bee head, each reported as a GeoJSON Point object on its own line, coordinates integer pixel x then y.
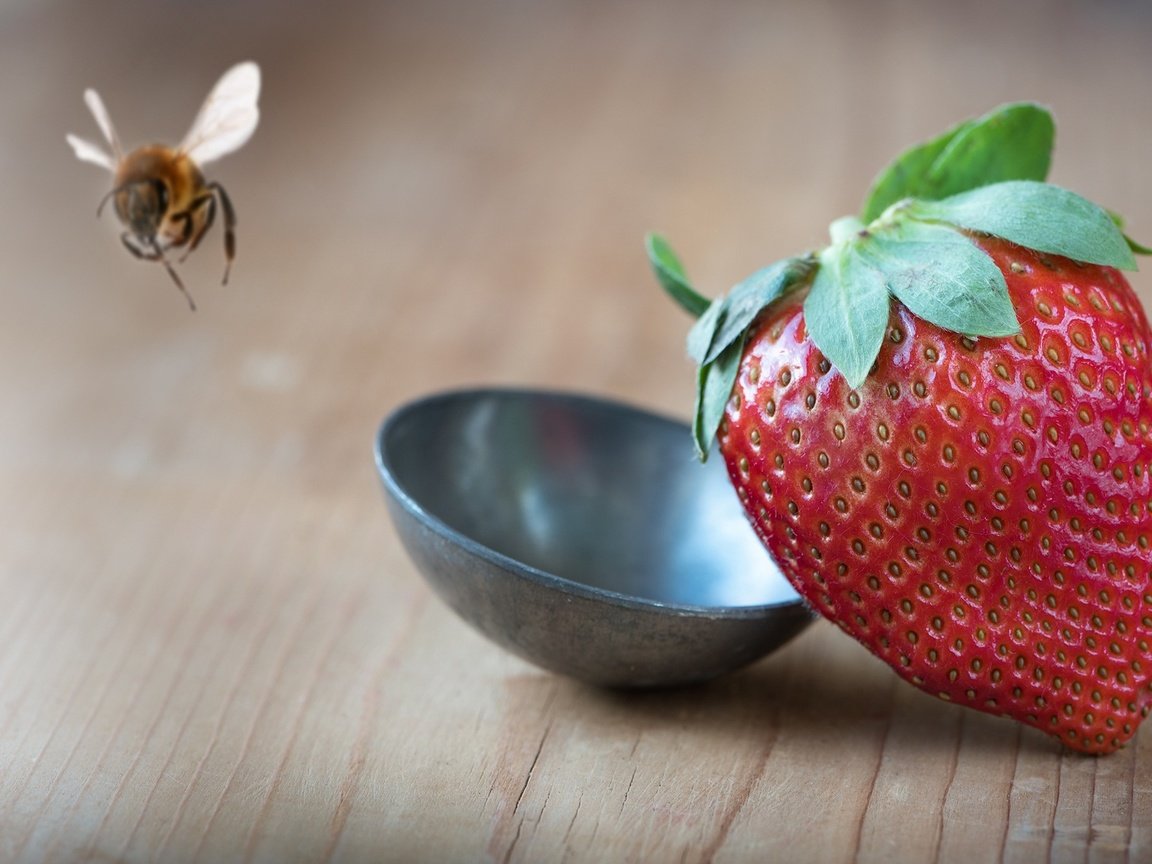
{"type": "Point", "coordinates": [141, 205]}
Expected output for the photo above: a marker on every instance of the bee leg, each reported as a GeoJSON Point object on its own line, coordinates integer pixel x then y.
{"type": "Point", "coordinates": [179, 284]}
{"type": "Point", "coordinates": [152, 252]}
{"type": "Point", "coordinates": [229, 227]}
{"type": "Point", "coordinates": [157, 254]}
{"type": "Point", "coordinates": [131, 243]}
{"type": "Point", "coordinates": [191, 234]}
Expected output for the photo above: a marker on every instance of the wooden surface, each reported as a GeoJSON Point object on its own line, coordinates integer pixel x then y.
{"type": "Point", "coordinates": [212, 647]}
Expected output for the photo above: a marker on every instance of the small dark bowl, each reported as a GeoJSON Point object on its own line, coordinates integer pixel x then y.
{"type": "Point", "coordinates": [583, 536]}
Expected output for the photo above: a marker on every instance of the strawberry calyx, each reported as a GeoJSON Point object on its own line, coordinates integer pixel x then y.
{"type": "Point", "coordinates": [914, 241]}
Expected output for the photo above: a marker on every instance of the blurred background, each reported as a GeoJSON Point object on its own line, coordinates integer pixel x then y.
{"type": "Point", "coordinates": [199, 592]}
{"type": "Point", "coordinates": [434, 186]}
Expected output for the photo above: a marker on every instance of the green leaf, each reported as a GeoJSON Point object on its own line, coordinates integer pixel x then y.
{"type": "Point", "coordinates": [1039, 216]}
{"type": "Point", "coordinates": [670, 273]}
{"type": "Point", "coordinates": [904, 177]}
{"type": "Point", "coordinates": [714, 385]}
{"type": "Point", "coordinates": [846, 312]}
{"type": "Point", "coordinates": [716, 341]}
{"type": "Point", "coordinates": [750, 297]}
{"type": "Point", "coordinates": [942, 276]}
{"type": "Point", "coordinates": [1012, 142]}
{"type": "Point", "coordinates": [1138, 248]}
{"type": "Point", "coordinates": [703, 332]}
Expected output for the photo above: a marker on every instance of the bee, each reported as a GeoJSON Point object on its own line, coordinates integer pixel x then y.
{"type": "Point", "coordinates": [159, 193]}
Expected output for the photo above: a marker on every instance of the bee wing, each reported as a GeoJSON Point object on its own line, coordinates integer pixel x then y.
{"type": "Point", "coordinates": [103, 120]}
{"type": "Point", "coordinates": [228, 117]}
{"type": "Point", "coordinates": [86, 151]}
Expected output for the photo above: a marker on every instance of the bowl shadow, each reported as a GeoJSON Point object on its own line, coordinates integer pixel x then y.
{"type": "Point", "coordinates": [824, 687]}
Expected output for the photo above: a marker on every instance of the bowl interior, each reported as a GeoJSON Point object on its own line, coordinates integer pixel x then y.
{"type": "Point", "coordinates": [591, 491]}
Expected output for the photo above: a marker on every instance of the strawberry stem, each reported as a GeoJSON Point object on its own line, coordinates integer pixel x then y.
{"type": "Point", "coordinates": [844, 229]}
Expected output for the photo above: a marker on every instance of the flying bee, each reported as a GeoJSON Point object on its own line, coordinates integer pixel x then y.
{"type": "Point", "coordinates": [159, 192]}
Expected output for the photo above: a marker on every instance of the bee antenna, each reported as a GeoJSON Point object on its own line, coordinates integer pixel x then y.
{"type": "Point", "coordinates": [104, 200]}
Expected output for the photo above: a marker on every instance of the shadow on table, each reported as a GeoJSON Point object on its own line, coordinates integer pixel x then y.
{"type": "Point", "coordinates": [822, 686]}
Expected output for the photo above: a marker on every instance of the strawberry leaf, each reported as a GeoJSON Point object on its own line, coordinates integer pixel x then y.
{"type": "Point", "coordinates": [904, 177]}
{"type": "Point", "coordinates": [703, 333]}
{"type": "Point", "coordinates": [1138, 248]}
{"type": "Point", "coordinates": [670, 274]}
{"type": "Point", "coordinates": [1039, 216]}
{"type": "Point", "coordinates": [942, 276]}
{"type": "Point", "coordinates": [846, 312]}
{"type": "Point", "coordinates": [745, 301]}
{"type": "Point", "coordinates": [716, 341]}
{"type": "Point", "coordinates": [1012, 142]}
{"type": "Point", "coordinates": [714, 383]}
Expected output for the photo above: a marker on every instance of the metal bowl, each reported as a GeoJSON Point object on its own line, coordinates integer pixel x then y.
{"type": "Point", "coordinates": [583, 536]}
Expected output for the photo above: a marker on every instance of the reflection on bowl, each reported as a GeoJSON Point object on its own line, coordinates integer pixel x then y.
{"type": "Point", "coordinates": [583, 536]}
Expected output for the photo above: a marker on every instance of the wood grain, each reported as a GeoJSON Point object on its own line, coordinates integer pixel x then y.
{"type": "Point", "coordinates": [212, 647]}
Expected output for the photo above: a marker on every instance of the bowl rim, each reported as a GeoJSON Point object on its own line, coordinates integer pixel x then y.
{"type": "Point", "coordinates": [546, 579]}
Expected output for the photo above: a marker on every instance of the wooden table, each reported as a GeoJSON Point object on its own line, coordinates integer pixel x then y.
{"type": "Point", "coordinates": [212, 647]}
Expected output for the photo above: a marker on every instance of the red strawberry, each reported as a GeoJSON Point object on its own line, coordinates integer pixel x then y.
{"type": "Point", "coordinates": [975, 511]}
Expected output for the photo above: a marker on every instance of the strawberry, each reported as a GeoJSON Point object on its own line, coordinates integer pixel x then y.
{"type": "Point", "coordinates": [941, 428]}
